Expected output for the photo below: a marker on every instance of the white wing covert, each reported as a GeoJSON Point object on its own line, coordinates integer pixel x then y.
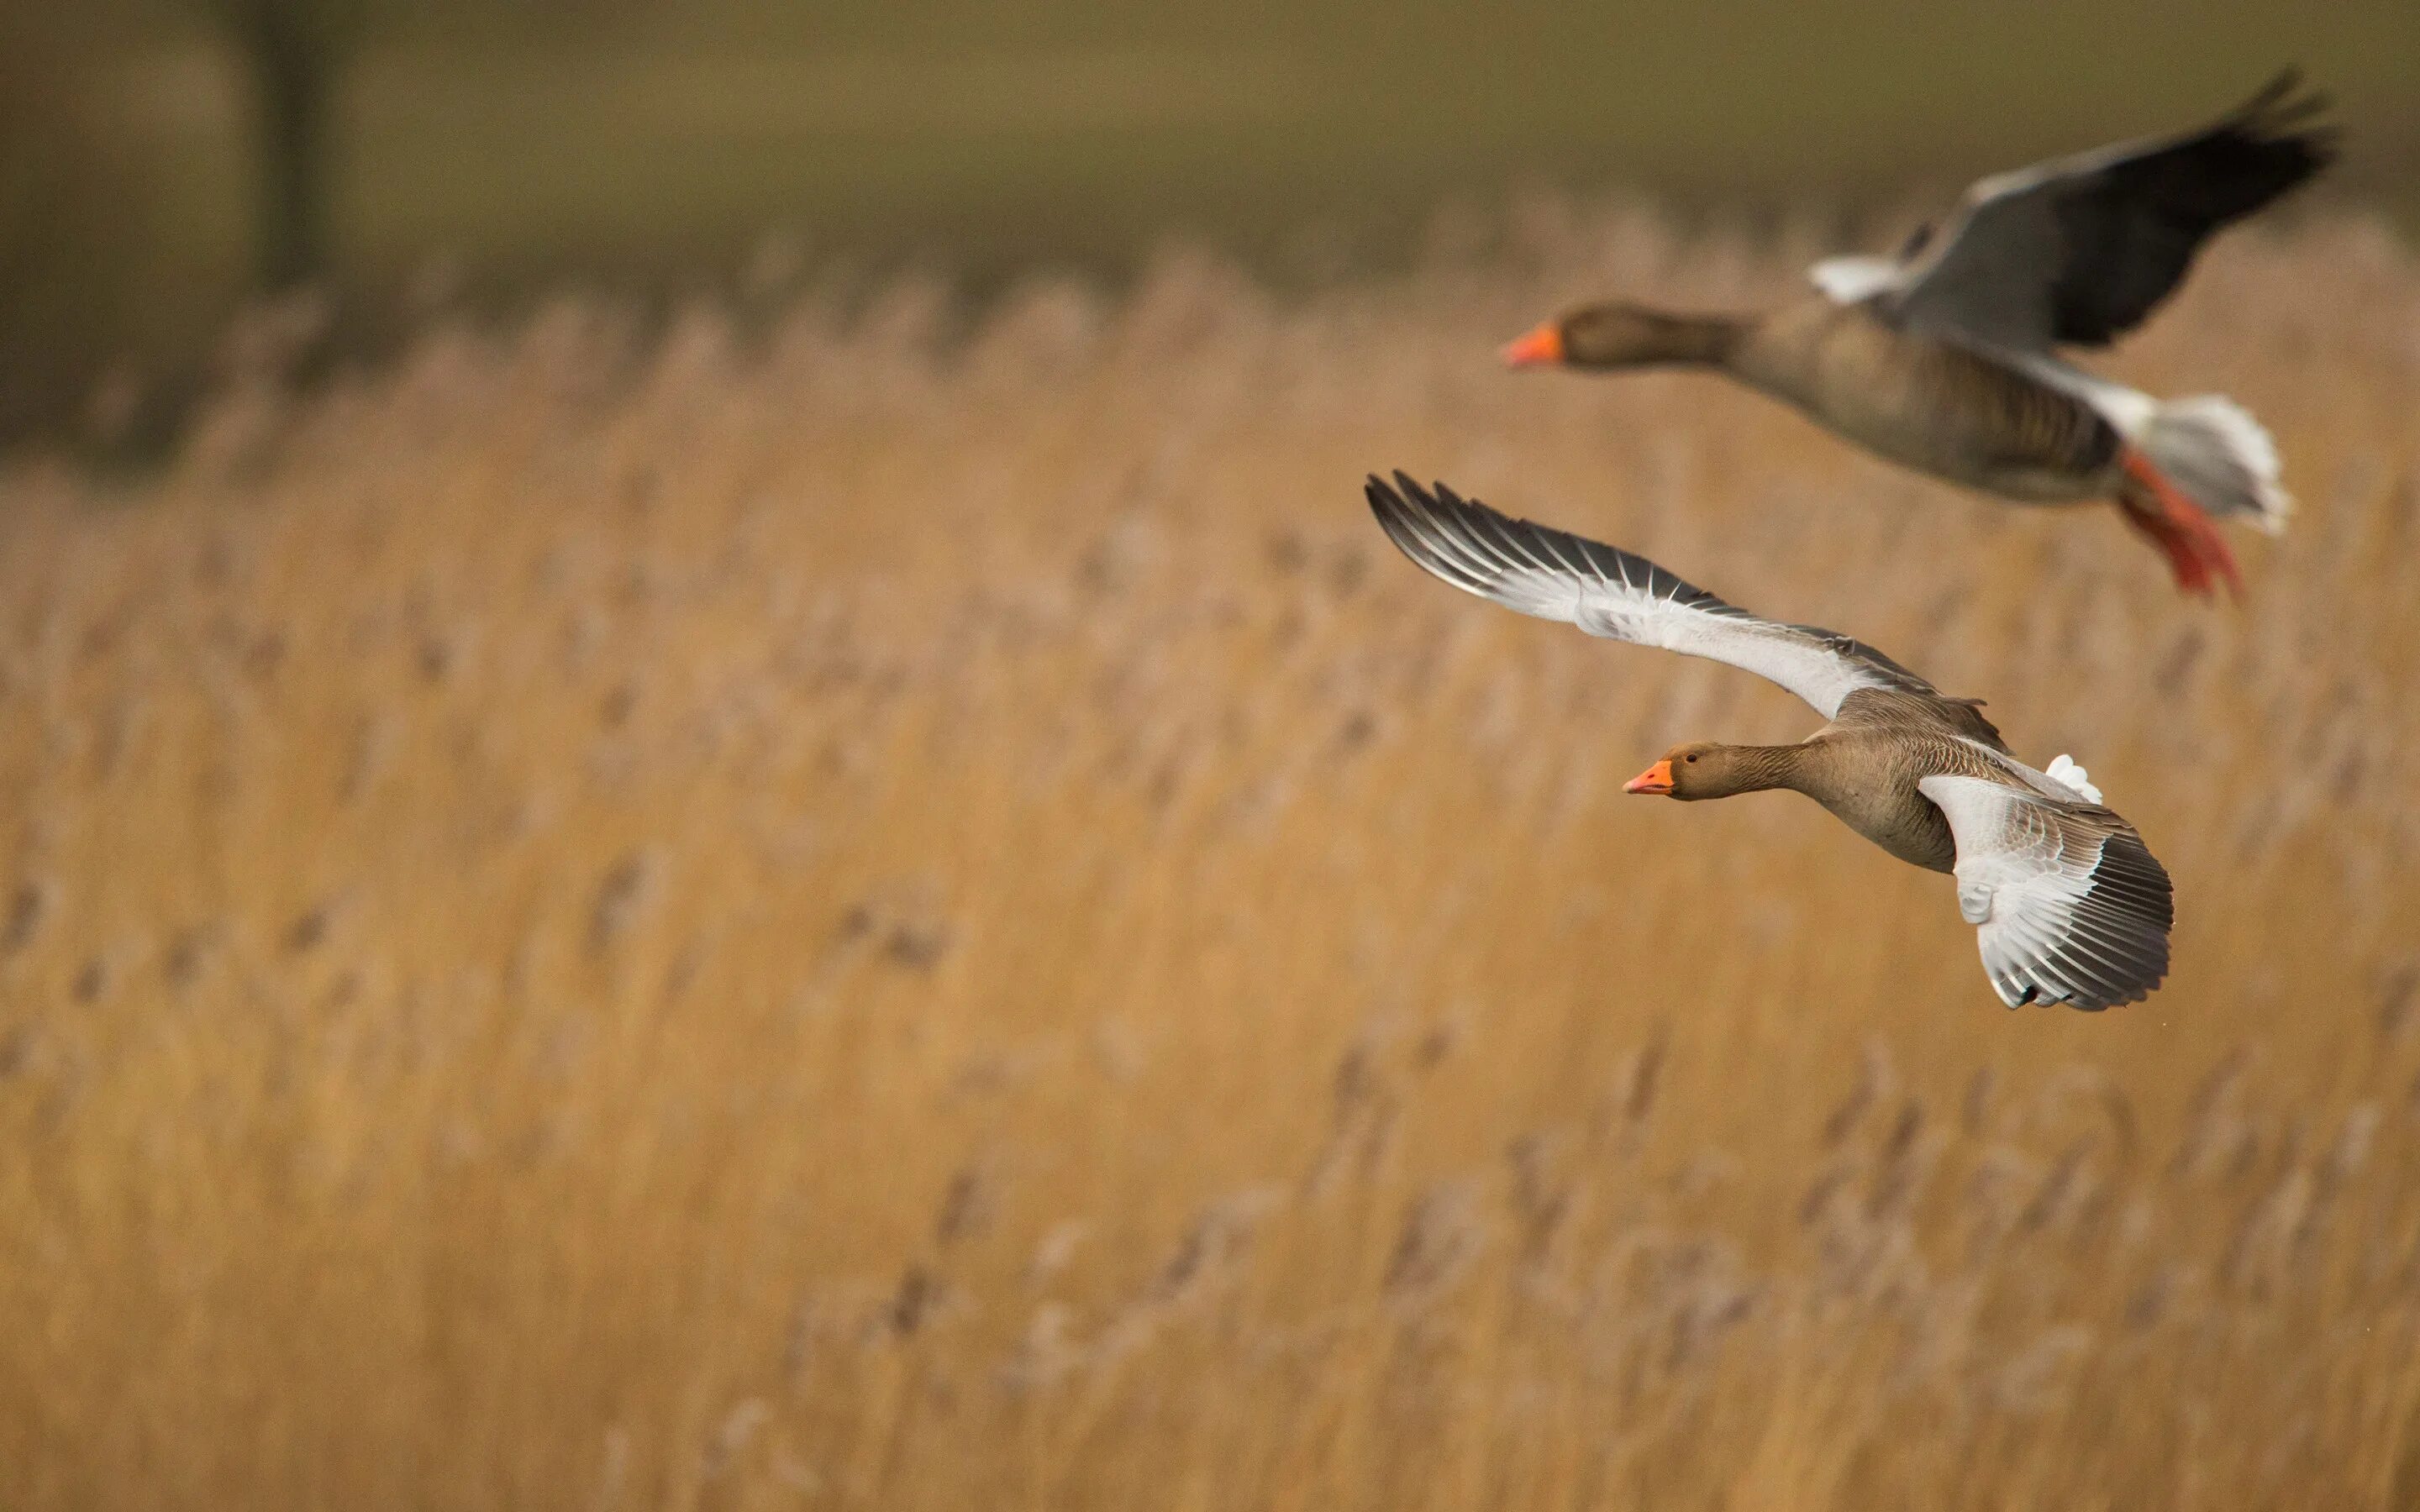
{"type": "Point", "coordinates": [2067, 903]}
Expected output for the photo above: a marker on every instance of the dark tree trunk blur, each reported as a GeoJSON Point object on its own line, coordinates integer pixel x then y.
{"type": "Point", "coordinates": [292, 50]}
{"type": "Point", "coordinates": [293, 82]}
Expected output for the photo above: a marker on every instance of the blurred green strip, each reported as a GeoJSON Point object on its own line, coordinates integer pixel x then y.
{"type": "Point", "coordinates": [666, 142]}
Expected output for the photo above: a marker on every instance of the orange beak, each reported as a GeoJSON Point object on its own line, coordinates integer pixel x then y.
{"type": "Point", "coordinates": [1656, 778]}
{"type": "Point", "coordinates": [1541, 348]}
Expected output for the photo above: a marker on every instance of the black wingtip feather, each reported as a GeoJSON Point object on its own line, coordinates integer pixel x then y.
{"type": "Point", "coordinates": [2122, 953]}
{"type": "Point", "coordinates": [2280, 104]}
{"type": "Point", "coordinates": [1414, 521]}
{"type": "Point", "coordinates": [2278, 129]}
{"type": "Point", "coordinates": [2133, 229]}
{"type": "Point", "coordinates": [1438, 527]}
{"type": "Point", "coordinates": [2285, 129]}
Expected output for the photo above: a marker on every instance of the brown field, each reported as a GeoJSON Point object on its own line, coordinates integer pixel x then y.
{"type": "Point", "coordinates": [871, 915]}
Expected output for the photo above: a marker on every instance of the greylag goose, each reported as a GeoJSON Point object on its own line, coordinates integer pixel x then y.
{"type": "Point", "coordinates": [2068, 904]}
{"type": "Point", "coordinates": [1943, 357]}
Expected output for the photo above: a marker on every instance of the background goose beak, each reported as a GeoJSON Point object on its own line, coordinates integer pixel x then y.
{"type": "Point", "coordinates": [1656, 778]}
{"type": "Point", "coordinates": [1539, 348]}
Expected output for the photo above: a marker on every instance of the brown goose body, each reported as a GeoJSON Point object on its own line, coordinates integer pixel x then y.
{"type": "Point", "coordinates": [1864, 768]}
{"type": "Point", "coordinates": [1944, 357]}
{"type": "Point", "coordinates": [1932, 405]}
{"type": "Point", "coordinates": [1936, 405]}
{"type": "Point", "coordinates": [2069, 905]}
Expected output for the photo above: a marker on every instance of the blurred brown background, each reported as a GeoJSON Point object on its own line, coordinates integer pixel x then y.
{"type": "Point", "coordinates": [712, 795]}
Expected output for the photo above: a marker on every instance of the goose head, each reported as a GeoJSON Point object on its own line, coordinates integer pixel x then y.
{"type": "Point", "coordinates": [1620, 334]}
{"type": "Point", "coordinates": [1705, 769]}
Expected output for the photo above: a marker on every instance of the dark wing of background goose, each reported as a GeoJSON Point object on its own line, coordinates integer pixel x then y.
{"type": "Point", "coordinates": [2079, 251]}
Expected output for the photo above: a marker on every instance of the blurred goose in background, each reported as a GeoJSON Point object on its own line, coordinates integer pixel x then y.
{"type": "Point", "coordinates": [1943, 357]}
{"type": "Point", "coordinates": [2068, 904]}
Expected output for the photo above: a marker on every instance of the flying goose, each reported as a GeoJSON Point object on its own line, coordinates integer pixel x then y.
{"type": "Point", "coordinates": [2067, 903]}
{"type": "Point", "coordinates": [1943, 357]}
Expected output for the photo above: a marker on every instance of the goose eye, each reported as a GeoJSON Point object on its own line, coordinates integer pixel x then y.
{"type": "Point", "coordinates": [1691, 758]}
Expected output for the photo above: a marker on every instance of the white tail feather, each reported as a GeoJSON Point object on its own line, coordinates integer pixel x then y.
{"type": "Point", "coordinates": [2214, 451]}
{"type": "Point", "coordinates": [2063, 770]}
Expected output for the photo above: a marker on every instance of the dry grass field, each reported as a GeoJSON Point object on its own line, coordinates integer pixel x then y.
{"type": "Point", "coordinates": [872, 912]}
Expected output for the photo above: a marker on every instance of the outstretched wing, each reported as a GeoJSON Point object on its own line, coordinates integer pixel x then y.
{"type": "Point", "coordinates": [2081, 250]}
{"type": "Point", "coordinates": [2068, 905]}
{"type": "Point", "coordinates": [1608, 591]}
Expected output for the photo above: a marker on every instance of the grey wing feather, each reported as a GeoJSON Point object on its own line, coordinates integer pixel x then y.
{"type": "Point", "coordinates": [1554, 575]}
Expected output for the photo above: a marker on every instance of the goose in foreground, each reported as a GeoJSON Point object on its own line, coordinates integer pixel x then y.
{"type": "Point", "coordinates": [1943, 357]}
{"type": "Point", "coordinates": [2067, 903]}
